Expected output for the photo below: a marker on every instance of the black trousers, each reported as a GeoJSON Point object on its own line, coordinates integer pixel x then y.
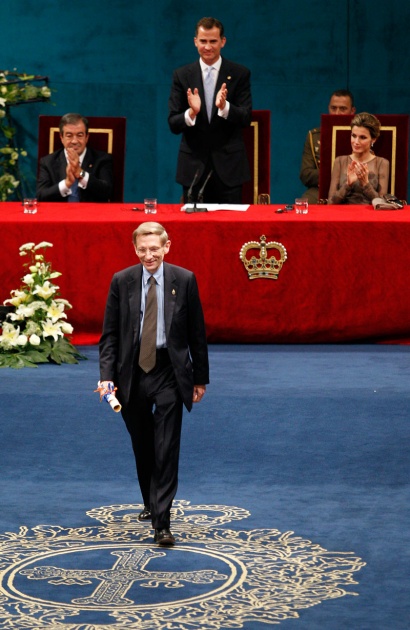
{"type": "Point", "coordinates": [154, 420]}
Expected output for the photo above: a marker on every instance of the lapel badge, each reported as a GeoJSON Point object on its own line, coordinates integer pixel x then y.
{"type": "Point", "coordinates": [173, 292]}
{"type": "Point", "coordinates": [228, 78]}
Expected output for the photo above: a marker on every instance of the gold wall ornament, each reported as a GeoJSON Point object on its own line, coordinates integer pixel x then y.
{"type": "Point", "coordinates": [261, 266]}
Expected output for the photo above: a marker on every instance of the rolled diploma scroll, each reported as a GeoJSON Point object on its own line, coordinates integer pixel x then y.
{"type": "Point", "coordinates": [114, 403]}
{"type": "Point", "coordinates": [109, 396]}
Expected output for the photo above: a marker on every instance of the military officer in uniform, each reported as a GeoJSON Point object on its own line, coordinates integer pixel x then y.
{"type": "Point", "coordinates": [341, 102]}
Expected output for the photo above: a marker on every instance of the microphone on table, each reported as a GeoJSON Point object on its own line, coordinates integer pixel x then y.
{"type": "Point", "coordinates": [189, 193]}
{"type": "Point", "coordinates": [201, 192]}
{"type": "Point", "coordinates": [200, 197]}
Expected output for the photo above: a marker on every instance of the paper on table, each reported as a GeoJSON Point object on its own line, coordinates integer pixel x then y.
{"type": "Point", "coordinates": [211, 207]}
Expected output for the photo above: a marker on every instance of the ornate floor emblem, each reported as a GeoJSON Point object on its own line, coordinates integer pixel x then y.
{"type": "Point", "coordinates": [113, 576]}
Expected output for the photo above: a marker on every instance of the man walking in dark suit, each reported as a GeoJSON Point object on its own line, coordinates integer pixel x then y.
{"type": "Point", "coordinates": [211, 119]}
{"type": "Point", "coordinates": [154, 302]}
{"type": "Point", "coordinates": [76, 172]}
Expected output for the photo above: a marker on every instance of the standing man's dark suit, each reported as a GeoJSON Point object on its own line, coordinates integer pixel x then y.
{"type": "Point", "coordinates": [152, 403]}
{"type": "Point", "coordinates": [53, 170]}
{"type": "Point", "coordinates": [218, 143]}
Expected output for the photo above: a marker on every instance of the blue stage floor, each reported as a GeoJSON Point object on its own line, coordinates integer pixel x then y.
{"type": "Point", "coordinates": [293, 499]}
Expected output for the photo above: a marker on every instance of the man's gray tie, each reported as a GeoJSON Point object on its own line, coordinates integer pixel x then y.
{"type": "Point", "coordinates": [148, 345]}
{"type": "Point", "coordinates": [209, 88]}
{"type": "Point", "coordinates": [75, 195]}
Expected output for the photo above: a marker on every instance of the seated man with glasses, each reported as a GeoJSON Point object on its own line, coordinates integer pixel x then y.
{"type": "Point", "coordinates": [76, 172]}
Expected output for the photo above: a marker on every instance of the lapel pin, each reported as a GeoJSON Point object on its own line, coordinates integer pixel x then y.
{"type": "Point", "coordinates": [173, 292]}
{"type": "Point", "coordinates": [229, 78]}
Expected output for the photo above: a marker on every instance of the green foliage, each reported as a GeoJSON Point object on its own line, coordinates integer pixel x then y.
{"type": "Point", "coordinates": [15, 88]}
{"type": "Point", "coordinates": [61, 351]}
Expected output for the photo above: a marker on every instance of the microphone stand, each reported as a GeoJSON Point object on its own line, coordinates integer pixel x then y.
{"type": "Point", "coordinates": [189, 194]}
{"type": "Point", "coordinates": [200, 198]}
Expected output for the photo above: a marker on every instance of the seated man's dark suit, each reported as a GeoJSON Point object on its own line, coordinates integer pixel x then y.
{"type": "Point", "coordinates": [53, 170]}
{"type": "Point", "coordinates": [219, 143]}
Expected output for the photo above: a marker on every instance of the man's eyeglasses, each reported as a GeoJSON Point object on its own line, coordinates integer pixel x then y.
{"type": "Point", "coordinates": [150, 250]}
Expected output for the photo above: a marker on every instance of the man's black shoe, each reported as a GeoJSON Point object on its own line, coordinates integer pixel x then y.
{"type": "Point", "coordinates": [145, 515]}
{"type": "Point", "coordinates": [164, 537]}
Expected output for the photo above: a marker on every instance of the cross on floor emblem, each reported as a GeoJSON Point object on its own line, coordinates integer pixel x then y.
{"type": "Point", "coordinates": [116, 582]}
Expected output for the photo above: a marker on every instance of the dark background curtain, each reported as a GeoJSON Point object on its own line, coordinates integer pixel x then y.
{"type": "Point", "coordinates": [116, 59]}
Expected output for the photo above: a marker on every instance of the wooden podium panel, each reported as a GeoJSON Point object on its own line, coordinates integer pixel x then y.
{"type": "Point", "coordinates": [393, 144]}
{"type": "Point", "coordinates": [106, 134]}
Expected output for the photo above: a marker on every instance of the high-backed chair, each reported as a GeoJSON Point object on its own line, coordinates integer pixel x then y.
{"type": "Point", "coordinates": [106, 134]}
{"type": "Point", "coordinates": [392, 144]}
{"type": "Point", "coordinates": [257, 142]}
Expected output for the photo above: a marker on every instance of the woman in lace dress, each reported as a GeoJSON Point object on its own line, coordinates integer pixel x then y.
{"type": "Point", "coordinates": [361, 176]}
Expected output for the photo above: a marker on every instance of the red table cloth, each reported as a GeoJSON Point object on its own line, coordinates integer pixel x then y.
{"type": "Point", "coordinates": [345, 277]}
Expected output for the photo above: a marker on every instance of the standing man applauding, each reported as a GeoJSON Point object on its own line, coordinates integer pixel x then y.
{"type": "Point", "coordinates": [210, 103]}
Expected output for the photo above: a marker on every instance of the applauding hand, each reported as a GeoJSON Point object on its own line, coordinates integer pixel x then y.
{"type": "Point", "coordinates": [194, 102]}
{"type": "Point", "coordinates": [220, 100]}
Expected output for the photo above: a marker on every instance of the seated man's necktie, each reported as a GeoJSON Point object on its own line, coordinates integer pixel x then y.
{"type": "Point", "coordinates": [75, 193]}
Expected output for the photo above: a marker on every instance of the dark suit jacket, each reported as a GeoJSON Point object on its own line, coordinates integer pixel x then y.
{"type": "Point", "coordinates": [53, 169]}
{"type": "Point", "coordinates": [220, 139]}
{"type": "Point", "coordinates": [184, 326]}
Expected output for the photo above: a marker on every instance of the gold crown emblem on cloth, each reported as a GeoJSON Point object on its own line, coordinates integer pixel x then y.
{"type": "Point", "coordinates": [262, 266]}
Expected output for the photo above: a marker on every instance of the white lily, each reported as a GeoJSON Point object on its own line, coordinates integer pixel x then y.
{"type": "Point", "coordinates": [10, 334]}
{"type": "Point", "coordinates": [34, 340]}
{"type": "Point", "coordinates": [51, 329]}
{"type": "Point", "coordinates": [67, 328]}
{"type": "Point", "coordinates": [45, 291]}
{"type": "Point", "coordinates": [15, 301]}
{"type": "Point", "coordinates": [18, 298]}
{"type": "Point", "coordinates": [56, 311]}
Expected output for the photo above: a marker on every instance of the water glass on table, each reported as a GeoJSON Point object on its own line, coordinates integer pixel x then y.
{"type": "Point", "coordinates": [150, 205]}
{"type": "Point", "coordinates": [301, 206]}
{"type": "Point", "coordinates": [30, 206]}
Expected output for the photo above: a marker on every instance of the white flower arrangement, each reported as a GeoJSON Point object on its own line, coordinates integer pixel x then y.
{"type": "Point", "coordinates": [36, 328]}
